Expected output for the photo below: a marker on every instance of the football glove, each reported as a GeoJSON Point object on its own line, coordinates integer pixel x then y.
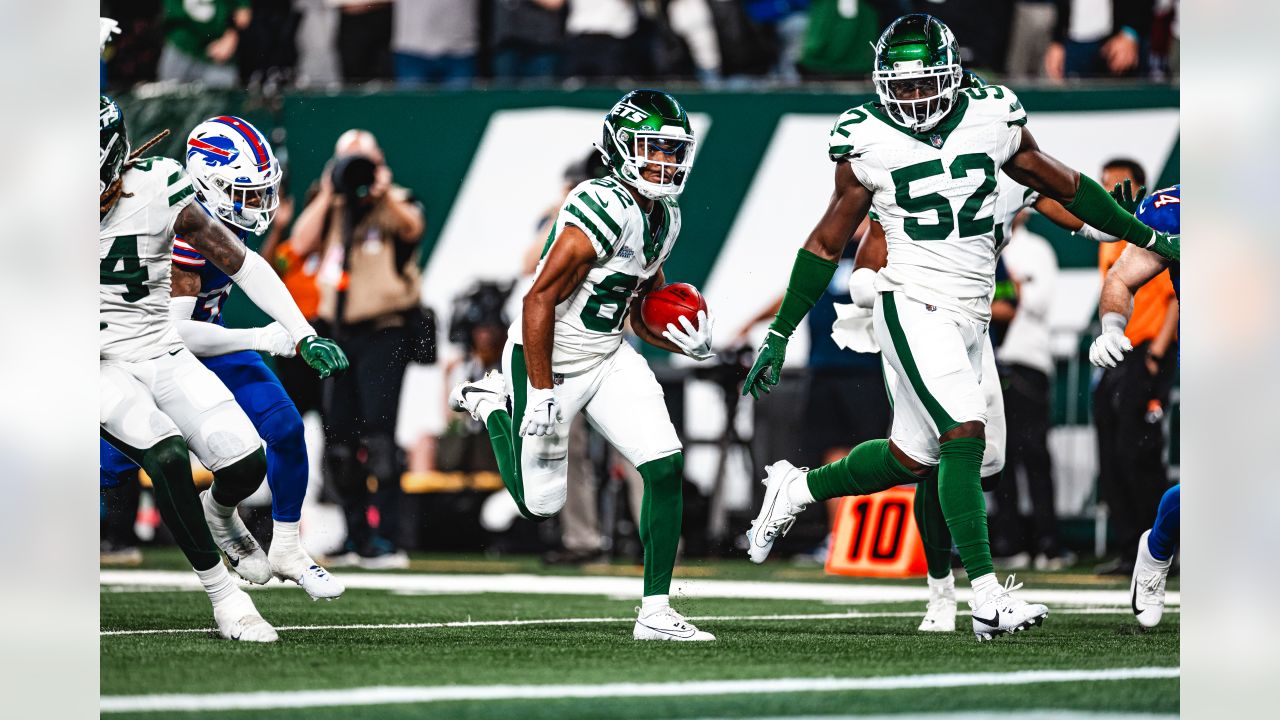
{"type": "Point", "coordinates": [1126, 198]}
{"type": "Point", "coordinates": [1166, 246]}
{"type": "Point", "coordinates": [694, 342]}
{"type": "Point", "coordinates": [274, 340]}
{"type": "Point", "coordinates": [767, 369]}
{"type": "Point", "coordinates": [1108, 349]}
{"type": "Point", "coordinates": [541, 413]}
{"type": "Point", "coordinates": [323, 355]}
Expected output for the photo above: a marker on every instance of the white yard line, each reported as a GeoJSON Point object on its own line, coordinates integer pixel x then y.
{"type": "Point", "coordinates": [526, 584]}
{"type": "Point", "coordinates": [222, 702]}
{"type": "Point", "coordinates": [852, 615]}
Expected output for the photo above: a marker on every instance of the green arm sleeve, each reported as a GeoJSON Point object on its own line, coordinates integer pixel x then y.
{"type": "Point", "coordinates": [810, 276]}
{"type": "Point", "coordinates": [1097, 208]}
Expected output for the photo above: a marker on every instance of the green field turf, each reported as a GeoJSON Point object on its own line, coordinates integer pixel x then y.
{"type": "Point", "coordinates": [594, 653]}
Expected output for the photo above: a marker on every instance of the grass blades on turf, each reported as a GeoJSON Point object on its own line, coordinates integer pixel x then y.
{"type": "Point", "coordinates": [604, 653]}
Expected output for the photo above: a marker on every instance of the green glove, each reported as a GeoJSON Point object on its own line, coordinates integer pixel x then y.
{"type": "Point", "coordinates": [1166, 246]}
{"type": "Point", "coordinates": [1124, 197]}
{"type": "Point", "coordinates": [767, 369]}
{"type": "Point", "coordinates": [323, 355]}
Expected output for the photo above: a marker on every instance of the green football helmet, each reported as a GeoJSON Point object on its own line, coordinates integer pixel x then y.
{"type": "Point", "coordinates": [649, 130]}
{"type": "Point", "coordinates": [917, 72]}
{"type": "Point", "coordinates": [113, 142]}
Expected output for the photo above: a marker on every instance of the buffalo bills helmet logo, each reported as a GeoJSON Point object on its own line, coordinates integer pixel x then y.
{"type": "Point", "coordinates": [213, 149]}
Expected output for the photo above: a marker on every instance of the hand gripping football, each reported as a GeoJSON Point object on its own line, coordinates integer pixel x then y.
{"type": "Point", "coordinates": [668, 303]}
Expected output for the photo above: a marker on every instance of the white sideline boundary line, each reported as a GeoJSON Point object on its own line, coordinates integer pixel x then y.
{"type": "Point", "coordinates": [529, 584]}
{"type": "Point", "coordinates": [851, 615]}
{"type": "Point", "coordinates": [396, 695]}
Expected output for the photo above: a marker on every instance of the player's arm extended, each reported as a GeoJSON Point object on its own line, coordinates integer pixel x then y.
{"type": "Point", "coordinates": [1083, 197]}
{"type": "Point", "coordinates": [1060, 216]}
{"type": "Point", "coordinates": [638, 327]}
{"type": "Point", "coordinates": [252, 274]}
{"type": "Point", "coordinates": [814, 267]}
{"type": "Point", "coordinates": [1135, 268]}
{"type": "Point", "coordinates": [247, 270]}
{"type": "Point", "coordinates": [567, 263]}
{"type": "Point", "coordinates": [206, 339]}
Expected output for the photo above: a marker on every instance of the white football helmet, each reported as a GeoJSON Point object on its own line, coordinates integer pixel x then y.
{"type": "Point", "coordinates": [235, 173]}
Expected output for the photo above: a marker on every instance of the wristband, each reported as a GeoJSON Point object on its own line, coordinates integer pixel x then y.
{"type": "Point", "coordinates": [1114, 322]}
{"type": "Point", "coordinates": [810, 276]}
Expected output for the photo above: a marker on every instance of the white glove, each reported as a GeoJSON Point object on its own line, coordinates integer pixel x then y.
{"type": "Point", "coordinates": [694, 342]}
{"type": "Point", "coordinates": [541, 413]}
{"type": "Point", "coordinates": [275, 340]}
{"type": "Point", "coordinates": [1109, 348]}
{"type": "Point", "coordinates": [862, 287]}
{"type": "Point", "coordinates": [106, 28]}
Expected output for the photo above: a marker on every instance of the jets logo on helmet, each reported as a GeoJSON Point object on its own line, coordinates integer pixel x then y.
{"type": "Point", "coordinates": [917, 72]}
{"type": "Point", "coordinates": [113, 143]}
{"type": "Point", "coordinates": [235, 173]}
{"type": "Point", "coordinates": [648, 143]}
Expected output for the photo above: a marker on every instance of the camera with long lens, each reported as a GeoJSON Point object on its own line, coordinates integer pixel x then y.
{"type": "Point", "coordinates": [353, 177]}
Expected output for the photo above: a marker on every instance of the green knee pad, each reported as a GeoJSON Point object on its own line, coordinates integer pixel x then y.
{"type": "Point", "coordinates": [237, 481]}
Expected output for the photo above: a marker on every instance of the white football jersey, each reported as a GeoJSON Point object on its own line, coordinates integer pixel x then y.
{"type": "Point", "coordinates": [628, 252]}
{"type": "Point", "coordinates": [935, 193]}
{"type": "Point", "coordinates": [1011, 199]}
{"type": "Point", "coordinates": [135, 253]}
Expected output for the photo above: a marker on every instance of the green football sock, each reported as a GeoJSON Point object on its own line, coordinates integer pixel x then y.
{"type": "Point", "coordinates": [661, 513]}
{"type": "Point", "coordinates": [169, 467]}
{"type": "Point", "coordinates": [960, 495]}
{"type": "Point", "coordinates": [933, 527]}
{"type": "Point", "coordinates": [503, 435]}
{"type": "Point", "coordinates": [867, 469]}
{"type": "Point", "coordinates": [506, 450]}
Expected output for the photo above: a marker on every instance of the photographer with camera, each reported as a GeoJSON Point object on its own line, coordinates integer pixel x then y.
{"type": "Point", "coordinates": [367, 230]}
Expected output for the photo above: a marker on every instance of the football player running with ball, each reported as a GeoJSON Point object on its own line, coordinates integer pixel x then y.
{"type": "Point", "coordinates": [156, 399]}
{"type": "Point", "coordinates": [925, 158]}
{"type": "Point", "coordinates": [565, 353]}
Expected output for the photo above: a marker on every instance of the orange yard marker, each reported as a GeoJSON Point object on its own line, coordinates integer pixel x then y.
{"type": "Point", "coordinates": [876, 536]}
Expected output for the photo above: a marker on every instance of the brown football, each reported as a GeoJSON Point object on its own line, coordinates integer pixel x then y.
{"type": "Point", "coordinates": [668, 303]}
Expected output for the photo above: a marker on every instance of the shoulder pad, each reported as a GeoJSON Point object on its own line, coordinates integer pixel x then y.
{"type": "Point", "coordinates": [841, 143]}
{"type": "Point", "coordinates": [599, 208]}
{"type": "Point", "coordinates": [165, 177]}
{"type": "Point", "coordinates": [997, 101]}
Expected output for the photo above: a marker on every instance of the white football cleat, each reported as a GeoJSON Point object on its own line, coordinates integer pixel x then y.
{"type": "Point", "coordinates": [238, 619]}
{"type": "Point", "coordinates": [469, 395]}
{"type": "Point", "coordinates": [298, 567]}
{"type": "Point", "coordinates": [777, 514]}
{"type": "Point", "coordinates": [940, 614]}
{"type": "Point", "coordinates": [1146, 587]}
{"type": "Point", "coordinates": [1000, 613]}
{"type": "Point", "coordinates": [243, 552]}
{"type": "Point", "coordinates": [667, 624]}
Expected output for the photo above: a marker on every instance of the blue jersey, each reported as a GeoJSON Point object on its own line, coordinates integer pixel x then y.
{"type": "Point", "coordinates": [1162, 211]}
{"type": "Point", "coordinates": [215, 285]}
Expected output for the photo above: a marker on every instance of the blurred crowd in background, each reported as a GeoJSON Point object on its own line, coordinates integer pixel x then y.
{"type": "Point", "coordinates": [275, 44]}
